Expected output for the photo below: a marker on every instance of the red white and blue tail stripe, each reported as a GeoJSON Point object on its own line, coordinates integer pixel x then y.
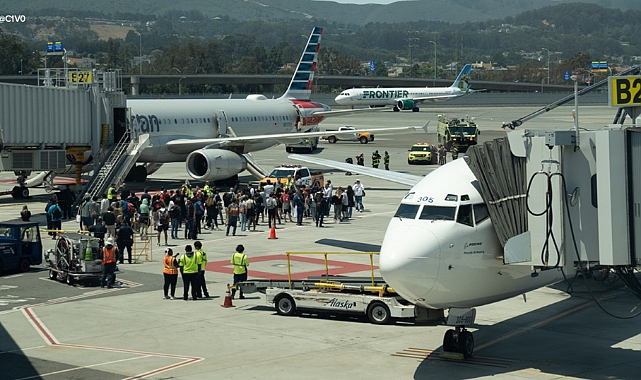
{"type": "Point", "coordinates": [301, 85]}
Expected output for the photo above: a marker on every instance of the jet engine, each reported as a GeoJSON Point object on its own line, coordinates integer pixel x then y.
{"type": "Point", "coordinates": [214, 164]}
{"type": "Point", "coordinates": [405, 104]}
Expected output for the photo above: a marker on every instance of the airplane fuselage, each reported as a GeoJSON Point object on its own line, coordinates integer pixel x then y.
{"type": "Point", "coordinates": [390, 96]}
{"type": "Point", "coordinates": [170, 119]}
{"type": "Point", "coordinates": [442, 251]}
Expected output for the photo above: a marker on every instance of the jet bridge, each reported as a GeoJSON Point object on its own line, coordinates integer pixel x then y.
{"type": "Point", "coordinates": [59, 126]}
{"type": "Point", "coordinates": [566, 199]}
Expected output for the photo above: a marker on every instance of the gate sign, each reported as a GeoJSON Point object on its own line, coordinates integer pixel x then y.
{"type": "Point", "coordinates": [625, 91]}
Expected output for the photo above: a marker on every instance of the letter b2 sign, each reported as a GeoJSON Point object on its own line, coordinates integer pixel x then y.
{"type": "Point", "coordinates": [625, 91]}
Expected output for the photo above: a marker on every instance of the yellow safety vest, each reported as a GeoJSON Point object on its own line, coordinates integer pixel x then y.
{"type": "Point", "coordinates": [190, 264]}
{"type": "Point", "coordinates": [203, 258]}
{"type": "Point", "coordinates": [240, 262]}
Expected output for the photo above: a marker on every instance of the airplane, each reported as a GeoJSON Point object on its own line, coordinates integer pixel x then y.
{"type": "Point", "coordinates": [406, 98]}
{"type": "Point", "coordinates": [441, 251]}
{"type": "Point", "coordinates": [215, 136]}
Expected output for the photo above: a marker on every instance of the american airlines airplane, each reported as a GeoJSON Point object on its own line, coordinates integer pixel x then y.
{"type": "Point", "coordinates": [406, 98]}
{"type": "Point", "coordinates": [441, 251]}
{"type": "Point", "coordinates": [214, 136]}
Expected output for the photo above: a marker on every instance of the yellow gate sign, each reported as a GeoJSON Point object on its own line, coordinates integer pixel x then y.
{"type": "Point", "coordinates": [625, 91]}
{"type": "Point", "coordinates": [80, 77]}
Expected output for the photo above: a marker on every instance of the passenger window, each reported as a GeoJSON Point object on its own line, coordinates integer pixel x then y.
{"type": "Point", "coordinates": [480, 213]}
{"type": "Point", "coordinates": [465, 215]}
{"type": "Point", "coordinates": [407, 211]}
{"type": "Point", "coordinates": [437, 213]}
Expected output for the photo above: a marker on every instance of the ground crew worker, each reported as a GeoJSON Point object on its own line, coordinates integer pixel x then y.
{"type": "Point", "coordinates": [240, 262]}
{"type": "Point", "coordinates": [289, 183]}
{"type": "Point", "coordinates": [376, 159]}
{"type": "Point", "coordinates": [386, 160]}
{"type": "Point", "coordinates": [202, 286]}
{"type": "Point", "coordinates": [109, 257]}
{"type": "Point", "coordinates": [112, 195]}
{"type": "Point", "coordinates": [190, 268]}
{"type": "Point", "coordinates": [170, 273]}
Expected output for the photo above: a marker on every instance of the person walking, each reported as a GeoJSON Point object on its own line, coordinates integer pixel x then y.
{"type": "Point", "coordinates": [299, 204]}
{"type": "Point", "coordinates": [321, 204]}
{"type": "Point", "coordinates": [55, 213]}
{"type": "Point", "coordinates": [386, 160]}
{"type": "Point", "coordinates": [201, 285]}
{"type": "Point", "coordinates": [233, 210]}
{"type": "Point", "coordinates": [125, 239]}
{"type": "Point", "coordinates": [109, 257]}
{"type": "Point", "coordinates": [174, 215]}
{"type": "Point", "coordinates": [162, 216]}
{"type": "Point", "coordinates": [190, 265]}
{"type": "Point", "coordinates": [110, 222]}
{"type": "Point", "coordinates": [170, 273]}
{"type": "Point", "coordinates": [240, 262]}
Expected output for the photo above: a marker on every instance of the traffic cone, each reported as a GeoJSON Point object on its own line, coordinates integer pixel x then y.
{"type": "Point", "coordinates": [272, 233]}
{"type": "Point", "coordinates": [227, 302]}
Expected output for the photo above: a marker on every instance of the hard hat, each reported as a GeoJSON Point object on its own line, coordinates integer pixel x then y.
{"type": "Point", "coordinates": [110, 241]}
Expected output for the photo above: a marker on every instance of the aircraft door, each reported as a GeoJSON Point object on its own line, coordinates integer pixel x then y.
{"type": "Point", "coordinates": [221, 122]}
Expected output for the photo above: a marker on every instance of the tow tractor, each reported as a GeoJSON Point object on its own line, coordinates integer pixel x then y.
{"type": "Point", "coordinates": [20, 245]}
{"type": "Point", "coordinates": [75, 257]}
{"type": "Point", "coordinates": [364, 296]}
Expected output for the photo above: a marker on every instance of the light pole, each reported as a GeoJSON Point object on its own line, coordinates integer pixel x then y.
{"type": "Point", "coordinates": [434, 82]}
{"type": "Point", "coordinates": [140, 50]}
{"type": "Point", "coordinates": [548, 64]}
{"type": "Point", "coordinates": [179, 86]}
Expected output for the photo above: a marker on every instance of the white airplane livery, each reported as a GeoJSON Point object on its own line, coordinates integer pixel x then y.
{"type": "Point", "coordinates": [214, 136]}
{"type": "Point", "coordinates": [441, 251]}
{"type": "Point", "coordinates": [406, 98]}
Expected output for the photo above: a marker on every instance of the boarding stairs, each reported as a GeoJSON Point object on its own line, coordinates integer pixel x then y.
{"type": "Point", "coordinates": [253, 168]}
{"type": "Point", "coordinates": [115, 168]}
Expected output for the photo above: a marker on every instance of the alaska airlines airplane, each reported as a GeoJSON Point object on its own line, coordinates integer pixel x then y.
{"type": "Point", "coordinates": [406, 98]}
{"type": "Point", "coordinates": [441, 251]}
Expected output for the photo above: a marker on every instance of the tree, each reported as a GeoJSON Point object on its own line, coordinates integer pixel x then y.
{"type": "Point", "coordinates": [12, 51]}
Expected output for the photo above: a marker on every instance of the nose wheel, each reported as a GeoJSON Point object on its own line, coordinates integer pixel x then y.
{"type": "Point", "coordinates": [459, 340]}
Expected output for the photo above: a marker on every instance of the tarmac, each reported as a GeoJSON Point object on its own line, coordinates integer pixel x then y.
{"type": "Point", "coordinates": [55, 331]}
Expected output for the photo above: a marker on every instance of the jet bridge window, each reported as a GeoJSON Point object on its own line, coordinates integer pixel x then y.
{"type": "Point", "coordinates": [407, 211]}
{"type": "Point", "coordinates": [437, 213]}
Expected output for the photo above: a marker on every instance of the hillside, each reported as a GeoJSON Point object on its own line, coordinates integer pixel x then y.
{"type": "Point", "coordinates": [453, 11]}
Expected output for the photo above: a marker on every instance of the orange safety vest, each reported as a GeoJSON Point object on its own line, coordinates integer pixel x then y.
{"type": "Point", "coordinates": [108, 255]}
{"type": "Point", "coordinates": [169, 266]}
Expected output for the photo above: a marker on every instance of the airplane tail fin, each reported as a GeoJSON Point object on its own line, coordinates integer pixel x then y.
{"type": "Point", "coordinates": [462, 80]}
{"type": "Point", "coordinates": [301, 85]}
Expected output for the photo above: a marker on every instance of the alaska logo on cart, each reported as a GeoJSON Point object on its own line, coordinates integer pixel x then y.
{"type": "Point", "coordinates": [334, 302]}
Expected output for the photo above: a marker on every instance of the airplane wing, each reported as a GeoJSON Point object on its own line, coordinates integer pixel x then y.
{"type": "Point", "coordinates": [348, 111]}
{"type": "Point", "coordinates": [402, 178]}
{"type": "Point", "coordinates": [182, 146]}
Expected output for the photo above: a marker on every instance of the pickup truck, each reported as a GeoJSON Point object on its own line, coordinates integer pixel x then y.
{"type": "Point", "coordinates": [362, 137]}
{"type": "Point", "coordinates": [301, 175]}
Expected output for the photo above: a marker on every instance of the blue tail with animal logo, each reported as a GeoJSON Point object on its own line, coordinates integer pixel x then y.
{"type": "Point", "coordinates": [301, 85]}
{"type": "Point", "coordinates": [462, 81]}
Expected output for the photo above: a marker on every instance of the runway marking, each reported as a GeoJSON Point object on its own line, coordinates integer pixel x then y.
{"type": "Point", "coordinates": [82, 367]}
{"type": "Point", "coordinates": [51, 340]}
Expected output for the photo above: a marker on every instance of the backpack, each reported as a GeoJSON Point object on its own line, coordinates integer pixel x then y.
{"type": "Point", "coordinates": [162, 216]}
{"type": "Point", "coordinates": [131, 208]}
{"type": "Point", "coordinates": [271, 203]}
{"type": "Point", "coordinates": [234, 211]}
{"type": "Point", "coordinates": [210, 201]}
{"type": "Point", "coordinates": [199, 208]}
{"type": "Point", "coordinates": [56, 213]}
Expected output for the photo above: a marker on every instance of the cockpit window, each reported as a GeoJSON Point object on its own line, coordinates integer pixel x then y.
{"type": "Point", "coordinates": [480, 213]}
{"type": "Point", "coordinates": [407, 211]}
{"type": "Point", "coordinates": [409, 195]}
{"type": "Point", "coordinates": [451, 198]}
{"type": "Point", "coordinates": [437, 213]}
{"type": "Point", "coordinates": [465, 215]}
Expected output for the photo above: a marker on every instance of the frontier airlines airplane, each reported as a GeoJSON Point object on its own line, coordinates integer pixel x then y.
{"type": "Point", "coordinates": [406, 98]}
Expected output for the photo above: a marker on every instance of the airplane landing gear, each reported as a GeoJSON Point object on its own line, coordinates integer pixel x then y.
{"type": "Point", "coordinates": [459, 340]}
{"type": "Point", "coordinates": [137, 174]}
{"type": "Point", "coordinates": [396, 109]}
{"type": "Point", "coordinates": [415, 109]}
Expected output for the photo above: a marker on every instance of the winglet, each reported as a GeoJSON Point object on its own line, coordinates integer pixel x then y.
{"type": "Point", "coordinates": [300, 86]}
{"type": "Point", "coordinates": [425, 127]}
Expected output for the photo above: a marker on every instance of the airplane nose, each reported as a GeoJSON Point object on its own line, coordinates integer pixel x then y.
{"type": "Point", "coordinates": [409, 259]}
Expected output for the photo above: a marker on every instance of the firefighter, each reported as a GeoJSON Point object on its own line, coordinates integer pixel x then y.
{"type": "Point", "coordinates": [376, 159]}
{"type": "Point", "coordinates": [386, 160]}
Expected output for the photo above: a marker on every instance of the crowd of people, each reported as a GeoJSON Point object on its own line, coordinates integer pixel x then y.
{"type": "Point", "coordinates": [183, 213]}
